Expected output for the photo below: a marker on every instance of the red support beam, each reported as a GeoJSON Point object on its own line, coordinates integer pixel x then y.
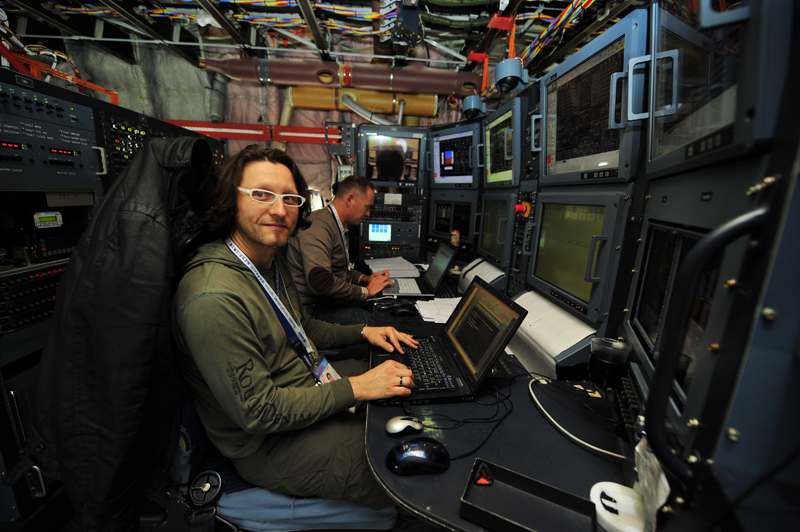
{"type": "Point", "coordinates": [262, 133]}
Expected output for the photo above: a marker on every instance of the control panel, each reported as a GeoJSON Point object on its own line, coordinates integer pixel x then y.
{"type": "Point", "coordinates": [125, 132]}
{"type": "Point", "coordinates": [524, 229]}
{"type": "Point", "coordinates": [394, 228]}
{"type": "Point", "coordinates": [45, 142]}
{"type": "Point", "coordinates": [28, 295]}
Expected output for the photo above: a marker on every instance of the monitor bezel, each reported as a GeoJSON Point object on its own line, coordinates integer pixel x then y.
{"type": "Point", "coordinates": [420, 133]}
{"type": "Point", "coordinates": [511, 198]}
{"type": "Point", "coordinates": [765, 57]}
{"type": "Point", "coordinates": [453, 196]}
{"type": "Point", "coordinates": [697, 201]}
{"type": "Point", "coordinates": [477, 163]}
{"type": "Point", "coordinates": [616, 210]}
{"type": "Point", "coordinates": [634, 29]}
{"type": "Point", "coordinates": [518, 107]}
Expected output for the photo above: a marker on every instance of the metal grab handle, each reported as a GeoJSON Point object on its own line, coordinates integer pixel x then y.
{"type": "Point", "coordinates": [631, 64]}
{"type": "Point", "coordinates": [675, 324]}
{"type": "Point", "coordinates": [476, 225]}
{"type": "Point", "coordinates": [612, 104]}
{"type": "Point", "coordinates": [470, 160]}
{"type": "Point", "coordinates": [534, 118]}
{"type": "Point", "coordinates": [673, 107]}
{"type": "Point", "coordinates": [592, 246]}
{"type": "Point", "coordinates": [671, 54]}
{"type": "Point", "coordinates": [708, 17]}
{"type": "Point", "coordinates": [430, 163]}
{"type": "Point", "coordinates": [478, 155]}
{"type": "Point", "coordinates": [508, 133]}
{"type": "Point", "coordinates": [500, 221]}
{"type": "Point", "coordinates": [103, 163]}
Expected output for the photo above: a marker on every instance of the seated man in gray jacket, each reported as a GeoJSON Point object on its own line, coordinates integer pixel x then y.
{"type": "Point", "coordinates": [249, 352]}
{"type": "Point", "coordinates": [320, 263]}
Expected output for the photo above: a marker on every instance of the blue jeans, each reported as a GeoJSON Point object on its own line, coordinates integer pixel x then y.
{"type": "Point", "coordinates": [345, 315]}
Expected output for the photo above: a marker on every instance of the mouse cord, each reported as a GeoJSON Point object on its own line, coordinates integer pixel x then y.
{"type": "Point", "coordinates": [564, 431]}
{"type": "Point", "coordinates": [509, 408]}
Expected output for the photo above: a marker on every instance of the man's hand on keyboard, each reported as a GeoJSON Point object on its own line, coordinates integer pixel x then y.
{"type": "Point", "coordinates": [388, 338]}
{"type": "Point", "coordinates": [378, 282]}
{"type": "Point", "coordinates": [387, 380]}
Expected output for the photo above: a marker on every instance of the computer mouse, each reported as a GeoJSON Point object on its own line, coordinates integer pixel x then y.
{"type": "Point", "coordinates": [403, 426]}
{"type": "Point", "coordinates": [418, 456]}
{"type": "Point", "coordinates": [405, 309]}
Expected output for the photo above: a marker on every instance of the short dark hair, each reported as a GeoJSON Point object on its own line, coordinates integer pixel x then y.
{"type": "Point", "coordinates": [222, 214]}
{"type": "Point", "coordinates": [354, 183]}
{"type": "Point", "coordinates": [391, 164]}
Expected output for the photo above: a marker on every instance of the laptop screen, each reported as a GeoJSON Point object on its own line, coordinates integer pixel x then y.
{"type": "Point", "coordinates": [481, 325]}
{"type": "Point", "coordinates": [439, 264]}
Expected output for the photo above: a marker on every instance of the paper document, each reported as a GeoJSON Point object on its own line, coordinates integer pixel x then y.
{"type": "Point", "coordinates": [437, 310]}
{"type": "Point", "coordinates": [546, 332]}
{"type": "Point", "coordinates": [397, 266]}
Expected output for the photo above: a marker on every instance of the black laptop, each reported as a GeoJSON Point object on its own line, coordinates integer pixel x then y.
{"type": "Point", "coordinates": [428, 283]}
{"type": "Point", "coordinates": [451, 366]}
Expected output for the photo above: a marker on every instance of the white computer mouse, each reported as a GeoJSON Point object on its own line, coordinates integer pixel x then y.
{"type": "Point", "coordinates": [403, 426]}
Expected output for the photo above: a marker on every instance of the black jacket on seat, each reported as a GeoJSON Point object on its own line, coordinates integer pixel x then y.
{"type": "Point", "coordinates": [109, 398]}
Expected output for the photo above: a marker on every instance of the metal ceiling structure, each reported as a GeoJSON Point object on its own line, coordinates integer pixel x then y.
{"type": "Point", "coordinates": [455, 27]}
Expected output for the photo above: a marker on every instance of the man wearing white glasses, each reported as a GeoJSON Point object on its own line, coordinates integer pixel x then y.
{"type": "Point", "coordinates": [318, 257]}
{"type": "Point", "coordinates": [249, 352]}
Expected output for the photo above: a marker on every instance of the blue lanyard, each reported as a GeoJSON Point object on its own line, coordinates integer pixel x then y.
{"type": "Point", "coordinates": [341, 233]}
{"type": "Point", "coordinates": [294, 330]}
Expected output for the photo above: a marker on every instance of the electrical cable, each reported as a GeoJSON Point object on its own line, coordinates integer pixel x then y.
{"type": "Point", "coordinates": [565, 431]}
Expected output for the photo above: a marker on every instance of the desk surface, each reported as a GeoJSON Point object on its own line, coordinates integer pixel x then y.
{"type": "Point", "coordinates": [525, 442]}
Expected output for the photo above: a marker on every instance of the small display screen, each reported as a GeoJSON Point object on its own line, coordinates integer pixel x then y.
{"type": "Point", "coordinates": [564, 241]}
{"type": "Point", "coordinates": [451, 159]}
{"type": "Point", "coordinates": [391, 158]}
{"type": "Point", "coordinates": [500, 149]}
{"type": "Point", "coordinates": [47, 218]}
{"type": "Point", "coordinates": [578, 136]}
{"type": "Point", "coordinates": [380, 233]}
{"type": "Point", "coordinates": [12, 145]}
{"type": "Point", "coordinates": [495, 220]}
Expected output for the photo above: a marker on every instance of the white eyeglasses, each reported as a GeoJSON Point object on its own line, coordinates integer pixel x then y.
{"type": "Point", "coordinates": [265, 196]}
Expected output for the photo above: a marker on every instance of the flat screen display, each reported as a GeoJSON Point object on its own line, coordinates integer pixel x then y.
{"type": "Point", "coordinates": [500, 149]}
{"type": "Point", "coordinates": [495, 220]}
{"type": "Point", "coordinates": [392, 158]}
{"type": "Point", "coordinates": [380, 233]}
{"type": "Point", "coordinates": [577, 132]}
{"type": "Point", "coordinates": [563, 248]}
{"type": "Point", "coordinates": [450, 216]}
{"type": "Point", "coordinates": [451, 159]}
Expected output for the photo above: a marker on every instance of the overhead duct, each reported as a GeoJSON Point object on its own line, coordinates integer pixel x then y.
{"type": "Point", "coordinates": [409, 79]}
{"type": "Point", "coordinates": [364, 113]}
{"type": "Point", "coordinates": [385, 103]}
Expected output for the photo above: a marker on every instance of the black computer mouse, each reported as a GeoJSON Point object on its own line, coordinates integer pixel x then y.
{"type": "Point", "coordinates": [405, 309]}
{"type": "Point", "coordinates": [418, 456]}
{"type": "Point", "coordinates": [403, 426]}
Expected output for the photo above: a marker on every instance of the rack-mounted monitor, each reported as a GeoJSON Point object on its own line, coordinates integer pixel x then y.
{"type": "Point", "coordinates": [586, 136]}
{"type": "Point", "coordinates": [453, 210]}
{"type": "Point", "coordinates": [504, 131]}
{"type": "Point", "coordinates": [575, 255]}
{"type": "Point", "coordinates": [454, 155]}
{"type": "Point", "coordinates": [497, 227]}
{"type": "Point", "coordinates": [392, 156]}
{"type": "Point", "coordinates": [717, 87]}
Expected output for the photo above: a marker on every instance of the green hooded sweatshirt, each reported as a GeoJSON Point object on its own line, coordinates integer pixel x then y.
{"type": "Point", "coordinates": [247, 382]}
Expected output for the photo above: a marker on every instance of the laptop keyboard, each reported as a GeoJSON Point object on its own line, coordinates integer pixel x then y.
{"type": "Point", "coordinates": [430, 370]}
{"type": "Point", "coordinates": [445, 290]}
{"type": "Point", "coordinates": [407, 286]}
